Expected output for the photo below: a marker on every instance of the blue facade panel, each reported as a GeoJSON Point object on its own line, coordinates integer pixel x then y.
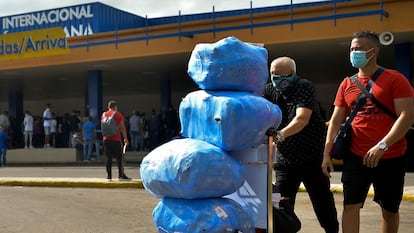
{"type": "Point", "coordinates": [77, 20]}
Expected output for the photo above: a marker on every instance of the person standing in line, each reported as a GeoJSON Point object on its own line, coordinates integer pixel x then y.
{"type": "Point", "coordinates": [65, 130]}
{"type": "Point", "coordinates": [4, 120]}
{"type": "Point", "coordinates": [38, 132]}
{"type": "Point", "coordinates": [135, 128]}
{"type": "Point", "coordinates": [89, 138]}
{"type": "Point", "coordinates": [75, 125]}
{"type": "Point", "coordinates": [112, 144]}
{"type": "Point", "coordinates": [53, 130]}
{"type": "Point", "coordinates": [154, 128]}
{"type": "Point", "coordinates": [28, 130]}
{"type": "Point", "coordinates": [172, 122]}
{"type": "Point", "coordinates": [3, 146]}
{"type": "Point", "coordinates": [47, 117]}
{"type": "Point", "coordinates": [376, 153]}
{"type": "Point", "coordinates": [300, 140]}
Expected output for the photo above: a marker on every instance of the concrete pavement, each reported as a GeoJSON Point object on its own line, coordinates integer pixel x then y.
{"type": "Point", "coordinates": [85, 207]}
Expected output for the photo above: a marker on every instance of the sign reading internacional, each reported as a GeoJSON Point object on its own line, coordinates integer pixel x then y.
{"type": "Point", "coordinates": [36, 43]}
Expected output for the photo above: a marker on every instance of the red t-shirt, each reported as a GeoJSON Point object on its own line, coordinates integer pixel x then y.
{"type": "Point", "coordinates": [371, 123]}
{"type": "Point", "coordinates": [118, 119]}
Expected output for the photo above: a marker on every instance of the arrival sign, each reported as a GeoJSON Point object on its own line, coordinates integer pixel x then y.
{"type": "Point", "coordinates": [36, 43]}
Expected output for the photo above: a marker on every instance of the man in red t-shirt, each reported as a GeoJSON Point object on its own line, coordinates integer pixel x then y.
{"type": "Point", "coordinates": [376, 154]}
{"type": "Point", "coordinates": [112, 144]}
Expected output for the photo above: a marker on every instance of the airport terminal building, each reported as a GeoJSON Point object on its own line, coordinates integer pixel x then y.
{"type": "Point", "coordinates": [81, 56]}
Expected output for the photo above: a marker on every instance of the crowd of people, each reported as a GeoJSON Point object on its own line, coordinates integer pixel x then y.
{"type": "Point", "coordinates": [65, 131]}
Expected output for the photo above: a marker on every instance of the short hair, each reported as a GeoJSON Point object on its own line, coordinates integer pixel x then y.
{"type": "Point", "coordinates": [112, 104]}
{"type": "Point", "coordinates": [370, 35]}
{"type": "Point", "coordinates": [287, 61]}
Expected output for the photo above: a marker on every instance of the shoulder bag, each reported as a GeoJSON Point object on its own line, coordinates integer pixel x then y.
{"type": "Point", "coordinates": [343, 137]}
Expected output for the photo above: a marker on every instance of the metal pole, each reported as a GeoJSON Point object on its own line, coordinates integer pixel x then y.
{"type": "Point", "coordinates": [270, 186]}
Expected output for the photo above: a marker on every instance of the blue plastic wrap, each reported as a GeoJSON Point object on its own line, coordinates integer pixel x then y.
{"type": "Point", "coordinates": [189, 169]}
{"type": "Point", "coordinates": [229, 64]}
{"type": "Point", "coordinates": [217, 215]}
{"type": "Point", "coordinates": [230, 120]}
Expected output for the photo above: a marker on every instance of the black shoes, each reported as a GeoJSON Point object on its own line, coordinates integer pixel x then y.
{"type": "Point", "coordinates": [124, 177]}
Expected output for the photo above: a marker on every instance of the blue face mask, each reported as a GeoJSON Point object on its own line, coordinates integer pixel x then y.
{"type": "Point", "coordinates": [359, 58]}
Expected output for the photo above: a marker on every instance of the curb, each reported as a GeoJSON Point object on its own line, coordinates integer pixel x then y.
{"type": "Point", "coordinates": [134, 183]}
{"type": "Point", "coordinates": [337, 188]}
{"type": "Point", "coordinates": [72, 182]}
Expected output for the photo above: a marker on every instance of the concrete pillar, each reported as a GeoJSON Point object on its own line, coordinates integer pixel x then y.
{"type": "Point", "coordinates": [165, 93]}
{"type": "Point", "coordinates": [93, 97]}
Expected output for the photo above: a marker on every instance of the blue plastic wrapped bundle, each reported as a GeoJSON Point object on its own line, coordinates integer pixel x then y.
{"type": "Point", "coordinates": [230, 120]}
{"type": "Point", "coordinates": [229, 64]}
{"type": "Point", "coordinates": [189, 169]}
{"type": "Point", "coordinates": [218, 215]}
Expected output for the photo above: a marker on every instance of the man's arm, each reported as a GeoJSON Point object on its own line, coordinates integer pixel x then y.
{"type": "Point", "coordinates": [338, 117]}
{"type": "Point", "coordinates": [405, 112]}
{"type": "Point", "coordinates": [404, 108]}
{"type": "Point", "coordinates": [298, 122]}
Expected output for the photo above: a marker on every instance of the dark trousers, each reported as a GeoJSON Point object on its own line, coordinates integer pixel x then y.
{"type": "Point", "coordinates": [113, 149]}
{"type": "Point", "coordinates": [288, 179]}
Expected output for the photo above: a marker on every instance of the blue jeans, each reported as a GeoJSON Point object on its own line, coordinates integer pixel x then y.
{"type": "Point", "coordinates": [134, 139]}
{"type": "Point", "coordinates": [87, 149]}
{"type": "Point", "coordinates": [97, 150]}
{"type": "Point", "coordinates": [3, 153]}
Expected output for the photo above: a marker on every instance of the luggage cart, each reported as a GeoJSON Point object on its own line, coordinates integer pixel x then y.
{"type": "Point", "coordinates": [256, 193]}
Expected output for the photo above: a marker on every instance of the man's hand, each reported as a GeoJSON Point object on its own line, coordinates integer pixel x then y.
{"type": "Point", "coordinates": [372, 157]}
{"type": "Point", "coordinates": [277, 135]}
{"type": "Point", "coordinates": [327, 166]}
{"type": "Point", "coordinates": [271, 132]}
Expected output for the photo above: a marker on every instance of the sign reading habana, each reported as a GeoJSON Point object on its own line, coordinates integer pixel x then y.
{"type": "Point", "coordinates": [36, 43]}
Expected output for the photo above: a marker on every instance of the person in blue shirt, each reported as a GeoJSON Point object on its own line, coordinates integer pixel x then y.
{"type": "Point", "coordinates": [3, 145]}
{"type": "Point", "coordinates": [89, 138]}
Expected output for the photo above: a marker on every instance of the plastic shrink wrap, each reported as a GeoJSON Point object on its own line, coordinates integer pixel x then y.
{"type": "Point", "coordinates": [190, 169]}
{"type": "Point", "coordinates": [217, 215]}
{"type": "Point", "coordinates": [230, 120]}
{"type": "Point", "coordinates": [229, 64]}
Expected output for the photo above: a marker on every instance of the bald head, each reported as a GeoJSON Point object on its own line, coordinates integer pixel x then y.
{"type": "Point", "coordinates": [283, 66]}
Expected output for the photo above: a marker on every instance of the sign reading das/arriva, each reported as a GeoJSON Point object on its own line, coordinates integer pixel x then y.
{"type": "Point", "coordinates": [36, 43]}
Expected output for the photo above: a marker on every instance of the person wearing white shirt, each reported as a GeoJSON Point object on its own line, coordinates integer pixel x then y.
{"type": "Point", "coordinates": [53, 129]}
{"type": "Point", "coordinates": [47, 118]}
{"type": "Point", "coordinates": [28, 130]}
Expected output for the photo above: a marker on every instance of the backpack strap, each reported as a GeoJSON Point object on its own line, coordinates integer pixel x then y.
{"type": "Point", "coordinates": [371, 96]}
{"type": "Point", "coordinates": [113, 114]}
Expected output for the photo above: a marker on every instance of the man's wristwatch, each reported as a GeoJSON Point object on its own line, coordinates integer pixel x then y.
{"type": "Point", "coordinates": [382, 146]}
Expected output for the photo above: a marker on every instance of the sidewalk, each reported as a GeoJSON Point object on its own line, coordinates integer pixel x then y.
{"type": "Point", "coordinates": [93, 175]}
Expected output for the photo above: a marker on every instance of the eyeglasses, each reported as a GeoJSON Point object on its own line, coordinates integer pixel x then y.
{"type": "Point", "coordinates": [278, 76]}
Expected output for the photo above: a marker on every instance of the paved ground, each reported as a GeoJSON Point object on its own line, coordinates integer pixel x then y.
{"type": "Point", "coordinates": [122, 208]}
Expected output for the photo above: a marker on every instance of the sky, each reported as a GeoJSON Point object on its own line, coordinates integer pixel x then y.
{"type": "Point", "coordinates": [149, 8]}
